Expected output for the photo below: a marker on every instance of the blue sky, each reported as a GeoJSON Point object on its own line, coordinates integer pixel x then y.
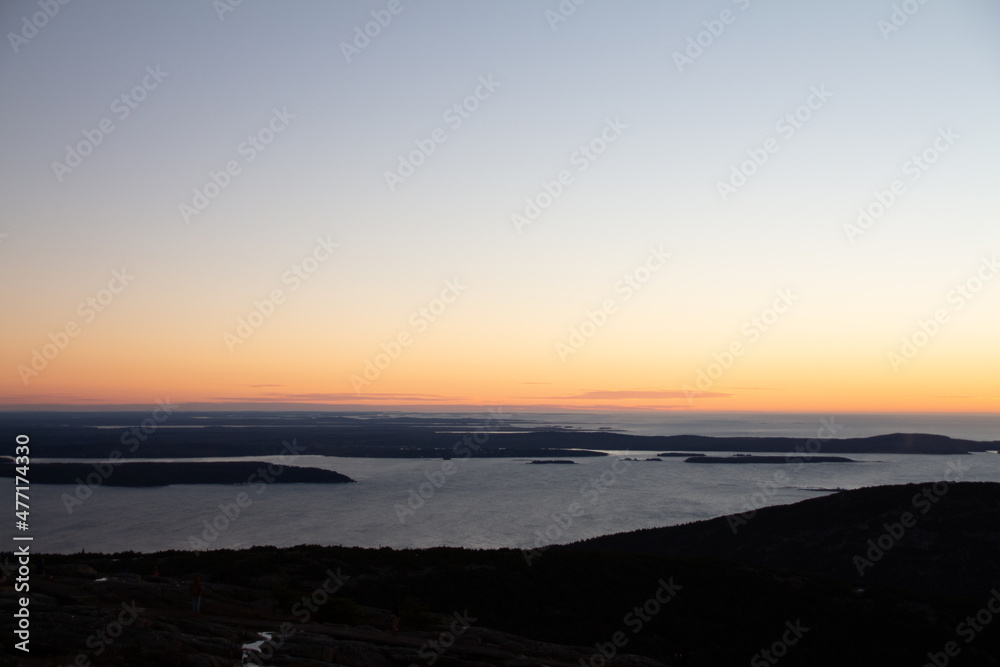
{"type": "Point", "coordinates": [556, 86]}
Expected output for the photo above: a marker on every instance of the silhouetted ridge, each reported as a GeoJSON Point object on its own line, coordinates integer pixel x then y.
{"type": "Point", "coordinates": [952, 547]}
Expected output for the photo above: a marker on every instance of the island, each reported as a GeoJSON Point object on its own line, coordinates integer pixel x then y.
{"type": "Point", "coordinates": [543, 462]}
{"type": "Point", "coordinates": [750, 458]}
{"type": "Point", "coordinates": [147, 474]}
{"type": "Point", "coordinates": [679, 454]}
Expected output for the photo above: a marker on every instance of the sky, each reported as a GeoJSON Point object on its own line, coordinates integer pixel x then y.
{"type": "Point", "coordinates": [697, 206]}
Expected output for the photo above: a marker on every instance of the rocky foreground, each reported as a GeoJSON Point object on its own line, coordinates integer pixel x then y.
{"type": "Point", "coordinates": [82, 618]}
{"type": "Point", "coordinates": [884, 576]}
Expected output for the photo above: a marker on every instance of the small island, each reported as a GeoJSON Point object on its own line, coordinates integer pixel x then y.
{"type": "Point", "coordinates": [750, 458]}
{"type": "Point", "coordinates": [679, 454]}
{"type": "Point", "coordinates": [545, 461]}
{"type": "Point", "coordinates": [148, 474]}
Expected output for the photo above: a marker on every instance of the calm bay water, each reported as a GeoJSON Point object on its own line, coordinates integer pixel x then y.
{"type": "Point", "coordinates": [485, 503]}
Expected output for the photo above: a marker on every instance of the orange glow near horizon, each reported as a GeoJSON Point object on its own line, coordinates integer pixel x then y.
{"type": "Point", "coordinates": [461, 362]}
{"type": "Point", "coordinates": [128, 379]}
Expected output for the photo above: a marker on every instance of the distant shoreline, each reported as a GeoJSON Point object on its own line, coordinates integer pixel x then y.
{"type": "Point", "coordinates": [196, 435]}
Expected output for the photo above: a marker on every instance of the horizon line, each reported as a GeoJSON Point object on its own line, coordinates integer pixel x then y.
{"type": "Point", "coordinates": [279, 406]}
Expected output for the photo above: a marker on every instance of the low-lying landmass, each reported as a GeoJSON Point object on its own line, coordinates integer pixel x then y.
{"type": "Point", "coordinates": [750, 458]}
{"type": "Point", "coordinates": [167, 473]}
{"type": "Point", "coordinates": [192, 434]}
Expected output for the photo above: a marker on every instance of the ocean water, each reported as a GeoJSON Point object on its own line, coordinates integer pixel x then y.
{"type": "Point", "coordinates": [482, 503]}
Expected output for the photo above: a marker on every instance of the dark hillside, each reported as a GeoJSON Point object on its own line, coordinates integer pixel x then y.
{"type": "Point", "coordinates": [952, 547]}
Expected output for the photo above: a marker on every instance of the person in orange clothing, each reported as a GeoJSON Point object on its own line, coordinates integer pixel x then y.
{"type": "Point", "coordinates": [196, 591]}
